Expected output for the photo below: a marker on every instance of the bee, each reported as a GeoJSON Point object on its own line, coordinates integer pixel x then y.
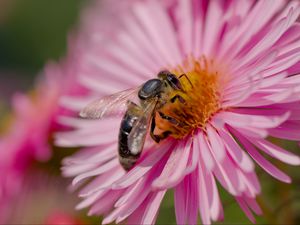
{"type": "Point", "coordinates": [138, 119]}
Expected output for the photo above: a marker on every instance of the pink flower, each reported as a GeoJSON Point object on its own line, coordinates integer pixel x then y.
{"type": "Point", "coordinates": [43, 193]}
{"type": "Point", "coordinates": [242, 63]}
{"type": "Point", "coordinates": [30, 133]}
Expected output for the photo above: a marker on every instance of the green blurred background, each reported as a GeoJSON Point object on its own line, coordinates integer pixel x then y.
{"type": "Point", "coordinates": [32, 32]}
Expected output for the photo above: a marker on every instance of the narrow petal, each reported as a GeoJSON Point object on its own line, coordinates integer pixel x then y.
{"type": "Point", "coordinates": [203, 197]}
{"type": "Point", "coordinates": [265, 164]}
{"type": "Point", "coordinates": [175, 167]}
{"type": "Point", "coordinates": [205, 152]}
{"type": "Point", "coordinates": [149, 160]}
{"type": "Point", "coordinates": [194, 156]}
{"type": "Point", "coordinates": [216, 143]}
{"type": "Point", "coordinates": [245, 208]}
{"type": "Point", "coordinates": [238, 155]}
{"type": "Point", "coordinates": [277, 152]}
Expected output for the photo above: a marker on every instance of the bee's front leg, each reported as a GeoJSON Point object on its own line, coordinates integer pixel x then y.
{"type": "Point", "coordinates": [157, 138]}
{"type": "Point", "coordinates": [152, 128]}
{"type": "Point", "coordinates": [180, 98]}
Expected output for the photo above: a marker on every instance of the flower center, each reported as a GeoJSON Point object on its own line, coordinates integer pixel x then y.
{"type": "Point", "coordinates": [199, 101]}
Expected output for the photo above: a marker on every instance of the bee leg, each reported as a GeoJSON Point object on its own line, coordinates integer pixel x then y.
{"type": "Point", "coordinates": [170, 119]}
{"type": "Point", "coordinates": [153, 136]}
{"type": "Point", "coordinates": [181, 99]}
{"type": "Point", "coordinates": [157, 138]}
{"type": "Point", "coordinates": [164, 135]}
{"type": "Point", "coordinates": [184, 75]}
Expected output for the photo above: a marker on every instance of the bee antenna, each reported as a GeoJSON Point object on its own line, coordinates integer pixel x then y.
{"type": "Point", "coordinates": [184, 75]}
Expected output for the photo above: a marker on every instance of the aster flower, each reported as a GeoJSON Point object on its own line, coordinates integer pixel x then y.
{"type": "Point", "coordinates": [28, 134]}
{"type": "Point", "coordinates": [41, 187]}
{"type": "Point", "coordinates": [242, 63]}
{"type": "Point", "coordinates": [28, 138]}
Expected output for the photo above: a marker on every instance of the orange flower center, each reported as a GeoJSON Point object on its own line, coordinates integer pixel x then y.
{"type": "Point", "coordinates": [201, 99]}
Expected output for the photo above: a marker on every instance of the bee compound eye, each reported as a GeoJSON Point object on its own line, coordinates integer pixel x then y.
{"type": "Point", "coordinates": [174, 79]}
{"type": "Point", "coordinates": [174, 82]}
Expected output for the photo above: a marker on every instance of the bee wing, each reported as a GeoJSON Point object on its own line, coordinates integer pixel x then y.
{"type": "Point", "coordinates": [137, 135]}
{"type": "Point", "coordinates": [114, 104]}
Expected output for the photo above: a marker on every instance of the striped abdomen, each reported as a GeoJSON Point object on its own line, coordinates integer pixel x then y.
{"type": "Point", "coordinates": [126, 157]}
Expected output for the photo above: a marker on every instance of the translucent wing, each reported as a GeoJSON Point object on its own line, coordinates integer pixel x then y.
{"type": "Point", "coordinates": [137, 135]}
{"type": "Point", "coordinates": [114, 104]}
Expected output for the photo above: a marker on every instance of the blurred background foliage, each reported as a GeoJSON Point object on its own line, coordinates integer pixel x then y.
{"type": "Point", "coordinates": [32, 32]}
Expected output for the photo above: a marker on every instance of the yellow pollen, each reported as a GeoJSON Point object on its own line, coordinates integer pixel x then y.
{"type": "Point", "coordinates": [201, 98]}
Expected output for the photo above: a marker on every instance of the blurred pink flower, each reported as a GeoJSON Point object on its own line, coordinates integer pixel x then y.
{"type": "Point", "coordinates": [29, 134]}
{"type": "Point", "coordinates": [61, 218]}
{"type": "Point", "coordinates": [243, 57]}
{"type": "Point", "coordinates": [40, 202]}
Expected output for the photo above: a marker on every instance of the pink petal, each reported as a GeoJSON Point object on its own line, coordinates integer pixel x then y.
{"type": "Point", "coordinates": [147, 212]}
{"type": "Point", "coordinates": [226, 173]}
{"type": "Point", "coordinates": [245, 208]}
{"type": "Point", "coordinates": [272, 36]}
{"type": "Point", "coordinates": [288, 60]}
{"type": "Point", "coordinates": [143, 41]}
{"type": "Point", "coordinates": [253, 205]}
{"type": "Point", "coordinates": [133, 204]}
{"type": "Point", "coordinates": [192, 199]}
{"type": "Point", "coordinates": [242, 120]}
{"type": "Point", "coordinates": [160, 29]}
{"type": "Point", "coordinates": [216, 143]}
{"type": "Point", "coordinates": [103, 87]}
{"type": "Point", "coordinates": [185, 18]}
{"type": "Point", "coordinates": [238, 155]}
{"type": "Point", "coordinates": [152, 207]}
{"type": "Point", "coordinates": [248, 29]}
{"type": "Point", "coordinates": [186, 200]}
{"type": "Point", "coordinates": [251, 182]}
{"type": "Point", "coordinates": [175, 167]}
{"type": "Point", "coordinates": [266, 165]}
{"type": "Point", "coordinates": [212, 27]}
{"type": "Point", "coordinates": [132, 45]}
{"type": "Point", "coordinates": [215, 206]}
{"type": "Point", "coordinates": [103, 182]}
{"type": "Point", "coordinates": [277, 152]}
{"type": "Point", "coordinates": [114, 70]}
{"type": "Point", "coordinates": [97, 171]}
{"type": "Point", "coordinates": [149, 160]}
{"type": "Point", "coordinates": [253, 132]}
{"type": "Point", "coordinates": [291, 35]}
{"type": "Point", "coordinates": [205, 152]}
{"type": "Point", "coordinates": [179, 203]}
{"type": "Point", "coordinates": [289, 130]}
{"type": "Point", "coordinates": [91, 199]}
{"type": "Point", "coordinates": [203, 197]}
{"type": "Point", "coordinates": [75, 103]}
{"type": "Point", "coordinates": [128, 60]}
{"type": "Point", "coordinates": [73, 170]}
{"type": "Point", "coordinates": [131, 192]}
{"type": "Point", "coordinates": [194, 156]}
{"type": "Point", "coordinates": [105, 204]}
